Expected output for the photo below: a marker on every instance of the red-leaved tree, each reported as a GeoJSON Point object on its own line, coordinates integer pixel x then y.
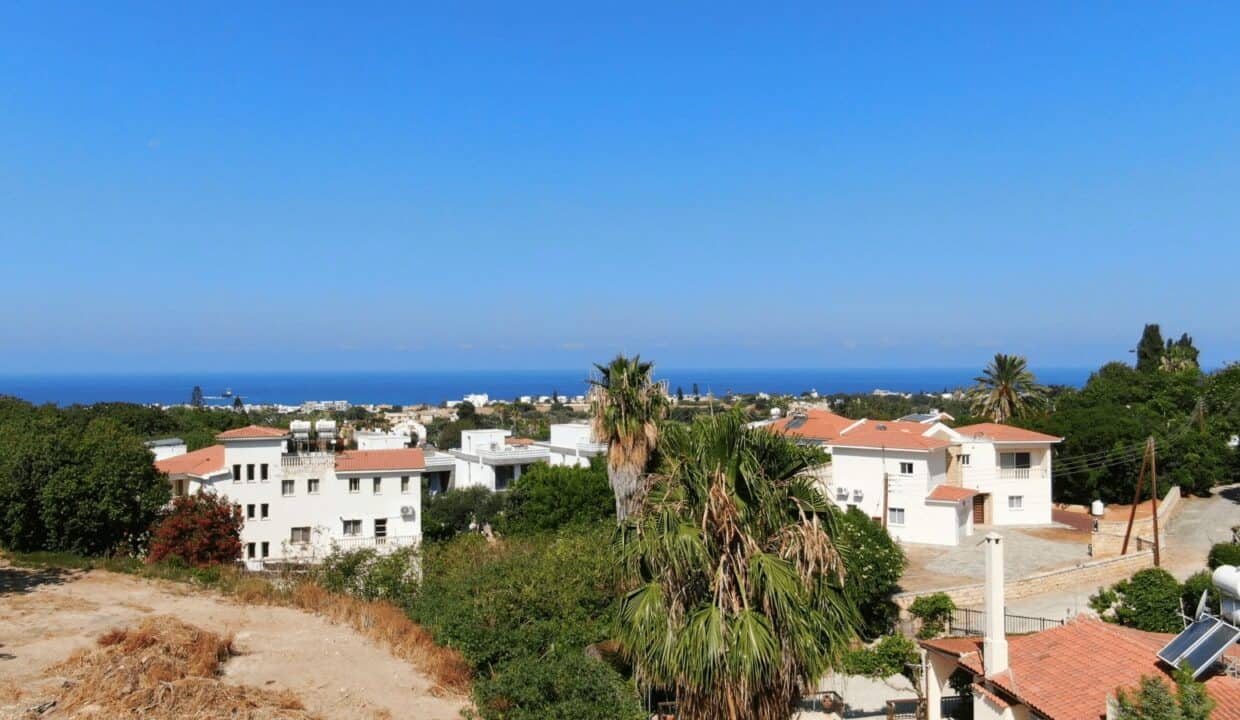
{"type": "Point", "coordinates": [201, 529]}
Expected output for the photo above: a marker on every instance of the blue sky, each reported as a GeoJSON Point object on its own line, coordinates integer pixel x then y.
{"type": "Point", "coordinates": [539, 185]}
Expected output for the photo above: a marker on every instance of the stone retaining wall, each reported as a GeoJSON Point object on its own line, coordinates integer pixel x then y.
{"type": "Point", "coordinates": [1108, 539]}
{"type": "Point", "coordinates": [1092, 574]}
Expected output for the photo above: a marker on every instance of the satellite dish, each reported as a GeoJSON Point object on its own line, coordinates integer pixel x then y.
{"type": "Point", "coordinates": [1201, 604]}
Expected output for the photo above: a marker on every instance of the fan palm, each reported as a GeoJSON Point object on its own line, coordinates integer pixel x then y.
{"type": "Point", "coordinates": [738, 602]}
{"type": "Point", "coordinates": [626, 405]}
{"type": "Point", "coordinates": [1006, 389]}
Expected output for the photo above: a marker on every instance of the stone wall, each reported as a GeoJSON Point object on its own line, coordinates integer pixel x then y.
{"type": "Point", "coordinates": [1092, 574]}
{"type": "Point", "coordinates": [1107, 539]}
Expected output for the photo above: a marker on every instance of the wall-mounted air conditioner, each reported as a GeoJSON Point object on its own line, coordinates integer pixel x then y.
{"type": "Point", "coordinates": [406, 510]}
{"type": "Point", "coordinates": [857, 495]}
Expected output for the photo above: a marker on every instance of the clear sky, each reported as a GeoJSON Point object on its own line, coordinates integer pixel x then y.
{"type": "Point", "coordinates": [526, 185]}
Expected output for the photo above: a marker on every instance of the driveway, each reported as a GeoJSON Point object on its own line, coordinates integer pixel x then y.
{"type": "Point", "coordinates": [1028, 550]}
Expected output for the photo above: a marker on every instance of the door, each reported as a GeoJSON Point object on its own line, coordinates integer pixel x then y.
{"type": "Point", "coordinates": [979, 509]}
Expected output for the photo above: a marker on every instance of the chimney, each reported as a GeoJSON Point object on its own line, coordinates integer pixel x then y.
{"type": "Point", "coordinates": [994, 645]}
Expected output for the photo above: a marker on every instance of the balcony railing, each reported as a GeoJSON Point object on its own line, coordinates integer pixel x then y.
{"type": "Point", "coordinates": [382, 544]}
{"type": "Point", "coordinates": [315, 459]}
{"type": "Point", "coordinates": [514, 455]}
{"type": "Point", "coordinates": [1019, 473]}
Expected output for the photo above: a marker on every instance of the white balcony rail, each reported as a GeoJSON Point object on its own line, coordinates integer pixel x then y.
{"type": "Point", "coordinates": [382, 544]}
{"type": "Point", "coordinates": [1019, 473]}
{"type": "Point", "coordinates": [514, 455]}
{"type": "Point", "coordinates": [315, 459]}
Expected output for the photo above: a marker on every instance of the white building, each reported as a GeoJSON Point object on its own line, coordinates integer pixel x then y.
{"type": "Point", "coordinates": [301, 497]}
{"type": "Point", "coordinates": [477, 399]}
{"type": "Point", "coordinates": [572, 444]}
{"type": "Point", "coordinates": [493, 459]}
{"type": "Point", "coordinates": [379, 440]}
{"type": "Point", "coordinates": [166, 448]}
{"type": "Point", "coordinates": [927, 482]}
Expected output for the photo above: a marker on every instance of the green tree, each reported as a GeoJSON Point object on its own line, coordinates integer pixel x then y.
{"type": "Point", "coordinates": [1180, 355]}
{"type": "Point", "coordinates": [457, 511]}
{"type": "Point", "coordinates": [1150, 349]}
{"type": "Point", "coordinates": [566, 685]}
{"type": "Point", "coordinates": [626, 406]}
{"type": "Point", "coordinates": [238, 406]}
{"type": "Point", "coordinates": [1195, 703]}
{"type": "Point", "coordinates": [195, 397]}
{"type": "Point", "coordinates": [549, 497]}
{"type": "Point", "coordinates": [1006, 389]}
{"type": "Point", "coordinates": [875, 563]}
{"type": "Point", "coordinates": [680, 394]}
{"type": "Point", "coordinates": [739, 602]}
{"type": "Point", "coordinates": [1153, 701]}
{"type": "Point", "coordinates": [1149, 600]}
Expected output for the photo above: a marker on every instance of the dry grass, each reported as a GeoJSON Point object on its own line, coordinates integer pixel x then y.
{"type": "Point", "coordinates": [388, 624]}
{"type": "Point", "coordinates": [160, 670]}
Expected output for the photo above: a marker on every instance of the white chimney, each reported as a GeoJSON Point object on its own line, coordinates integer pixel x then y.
{"type": "Point", "coordinates": [994, 644]}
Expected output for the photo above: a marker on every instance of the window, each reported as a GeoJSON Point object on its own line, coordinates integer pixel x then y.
{"type": "Point", "coordinates": [1014, 460]}
{"type": "Point", "coordinates": [1016, 502]}
{"type": "Point", "coordinates": [262, 511]}
{"type": "Point", "coordinates": [381, 528]}
{"type": "Point", "coordinates": [249, 511]}
{"type": "Point", "coordinates": [895, 516]}
{"type": "Point", "coordinates": [249, 550]}
{"type": "Point", "coordinates": [906, 468]}
{"type": "Point", "coordinates": [404, 484]}
{"type": "Point", "coordinates": [262, 472]}
{"type": "Point", "coordinates": [249, 472]}
{"type": "Point", "coordinates": [378, 485]}
{"type": "Point", "coordinates": [352, 528]}
{"type": "Point", "coordinates": [964, 458]}
{"type": "Point", "coordinates": [355, 485]}
{"type": "Point", "coordinates": [312, 486]}
{"type": "Point", "coordinates": [266, 549]}
{"type": "Point", "coordinates": [287, 487]}
{"type": "Point", "coordinates": [299, 535]}
{"type": "Point", "coordinates": [503, 475]}
{"type": "Point", "coordinates": [237, 473]}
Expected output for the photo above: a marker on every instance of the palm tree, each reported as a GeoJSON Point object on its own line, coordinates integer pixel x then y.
{"type": "Point", "coordinates": [626, 405]}
{"type": "Point", "coordinates": [1006, 389]}
{"type": "Point", "coordinates": [738, 602]}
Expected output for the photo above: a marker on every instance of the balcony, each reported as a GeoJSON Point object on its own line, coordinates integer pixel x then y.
{"type": "Point", "coordinates": [308, 460]}
{"type": "Point", "coordinates": [1021, 473]}
{"type": "Point", "coordinates": [507, 456]}
{"type": "Point", "coordinates": [383, 545]}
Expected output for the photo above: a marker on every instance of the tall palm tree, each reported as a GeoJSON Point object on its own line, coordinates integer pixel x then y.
{"type": "Point", "coordinates": [1006, 389]}
{"type": "Point", "coordinates": [626, 405]}
{"type": "Point", "coordinates": [738, 602]}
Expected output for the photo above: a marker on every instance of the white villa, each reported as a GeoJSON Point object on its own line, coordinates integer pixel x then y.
{"type": "Point", "coordinates": [572, 444]}
{"type": "Point", "coordinates": [301, 495]}
{"type": "Point", "coordinates": [927, 482]}
{"type": "Point", "coordinates": [493, 459]}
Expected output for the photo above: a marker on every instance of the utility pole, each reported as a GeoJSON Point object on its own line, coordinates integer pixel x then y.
{"type": "Point", "coordinates": [1148, 460]}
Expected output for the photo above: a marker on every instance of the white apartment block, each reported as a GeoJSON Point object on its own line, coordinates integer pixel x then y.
{"type": "Point", "coordinates": [572, 444]}
{"type": "Point", "coordinates": [301, 495]}
{"type": "Point", "coordinates": [929, 483]}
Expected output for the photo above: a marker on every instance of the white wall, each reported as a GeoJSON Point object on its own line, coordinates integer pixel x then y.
{"type": "Point", "coordinates": [381, 441]}
{"type": "Point", "coordinates": [473, 441]}
{"type": "Point", "coordinates": [984, 474]}
{"type": "Point", "coordinates": [163, 452]}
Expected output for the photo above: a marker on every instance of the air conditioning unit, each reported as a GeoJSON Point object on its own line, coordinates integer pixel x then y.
{"type": "Point", "coordinates": [857, 495]}
{"type": "Point", "coordinates": [406, 509]}
{"type": "Point", "coordinates": [841, 493]}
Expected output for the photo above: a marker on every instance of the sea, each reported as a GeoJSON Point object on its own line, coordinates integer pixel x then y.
{"type": "Point", "coordinates": [407, 388]}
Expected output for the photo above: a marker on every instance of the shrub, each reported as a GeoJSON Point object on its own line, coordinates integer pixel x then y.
{"type": "Point", "coordinates": [1224, 554]}
{"type": "Point", "coordinates": [934, 611]}
{"type": "Point", "coordinates": [1149, 600]}
{"type": "Point", "coordinates": [549, 497]}
{"type": "Point", "coordinates": [1194, 586]}
{"type": "Point", "coordinates": [891, 656]}
{"type": "Point", "coordinates": [566, 685]}
{"type": "Point", "coordinates": [368, 575]}
{"type": "Point", "coordinates": [450, 513]}
{"type": "Point", "coordinates": [201, 530]}
{"type": "Point", "coordinates": [875, 563]}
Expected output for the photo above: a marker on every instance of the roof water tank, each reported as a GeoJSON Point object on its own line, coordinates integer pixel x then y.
{"type": "Point", "coordinates": [300, 429]}
{"type": "Point", "coordinates": [1097, 509]}
{"type": "Point", "coordinates": [325, 428]}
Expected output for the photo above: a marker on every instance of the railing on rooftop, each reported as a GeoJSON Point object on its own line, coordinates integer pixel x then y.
{"type": "Point", "coordinates": [952, 706]}
{"type": "Point", "coordinates": [965, 621]}
{"type": "Point", "coordinates": [514, 454]}
{"type": "Point", "coordinates": [382, 544]}
{"type": "Point", "coordinates": [311, 459]}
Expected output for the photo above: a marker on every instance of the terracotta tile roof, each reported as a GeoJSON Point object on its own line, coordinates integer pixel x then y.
{"type": "Point", "coordinates": [812, 425]}
{"type": "Point", "coordinates": [252, 432]}
{"type": "Point", "coordinates": [950, 493]}
{"type": "Point", "coordinates": [891, 434]}
{"type": "Point", "coordinates": [200, 463]}
{"type": "Point", "coordinates": [518, 441]}
{"type": "Point", "coordinates": [367, 460]}
{"type": "Point", "coordinates": [994, 699]}
{"type": "Point", "coordinates": [994, 432]}
{"type": "Point", "coordinates": [1066, 673]}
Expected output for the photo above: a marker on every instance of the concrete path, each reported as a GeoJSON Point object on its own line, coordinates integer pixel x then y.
{"type": "Point", "coordinates": [1029, 550]}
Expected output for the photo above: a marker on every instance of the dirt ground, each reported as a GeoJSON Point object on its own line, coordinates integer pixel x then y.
{"type": "Point", "coordinates": [45, 615]}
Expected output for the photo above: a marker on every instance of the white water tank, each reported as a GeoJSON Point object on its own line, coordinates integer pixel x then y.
{"type": "Point", "coordinates": [1227, 580]}
{"type": "Point", "coordinates": [325, 429]}
{"type": "Point", "coordinates": [1097, 509]}
{"type": "Point", "coordinates": [300, 429]}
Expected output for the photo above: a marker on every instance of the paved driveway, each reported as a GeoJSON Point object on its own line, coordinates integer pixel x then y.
{"type": "Point", "coordinates": [1028, 550]}
{"type": "Point", "coordinates": [1200, 523]}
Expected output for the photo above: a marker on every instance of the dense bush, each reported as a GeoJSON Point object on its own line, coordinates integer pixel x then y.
{"type": "Point", "coordinates": [875, 563]}
{"type": "Point", "coordinates": [1149, 600]}
{"type": "Point", "coordinates": [450, 513]}
{"type": "Point", "coordinates": [367, 574]}
{"type": "Point", "coordinates": [891, 656]}
{"type": "Point", "coordinates": [549, 497]}
{"type": "Point", "coordinates": [1224, 554]}
{"type": "Point", "coordinates": [566, 685]}
{"type": "Point", "coordinates": [201, 530]}
{"type": "Point", "coordinates": [1194, 586]}
{"type": "Point", "coordinates": [934, 611]}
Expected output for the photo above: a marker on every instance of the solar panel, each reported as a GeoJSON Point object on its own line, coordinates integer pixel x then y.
{"type": "Point", "coordinates": [1179, 646]}
{"type": "Point", "coordinates": [1211, 648]}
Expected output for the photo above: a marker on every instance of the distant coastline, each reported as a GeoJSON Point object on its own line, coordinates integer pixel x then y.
{"type": "Point", "coordinates": [434, 387]}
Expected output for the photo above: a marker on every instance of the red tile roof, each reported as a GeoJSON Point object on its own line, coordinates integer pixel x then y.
{"type": "Point", "coordinates": [1066, 673]}
{"type": "Point", "coordinates": [518, 441]}
{"type": "Point", "coordinates": [252, 432]}
{"type": "Point", "coordinates": [200, 463]}
{"type": "Point", "coordinates": [950, 493]}
{"type": "Point", "coordinates": [368, 460]}
{"type": "Point", "coordinates": [890, 434]}
{"type": "Point", "coordinates": [813, 425]}
{"type": "Point", "coordinates": [994, 432]}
